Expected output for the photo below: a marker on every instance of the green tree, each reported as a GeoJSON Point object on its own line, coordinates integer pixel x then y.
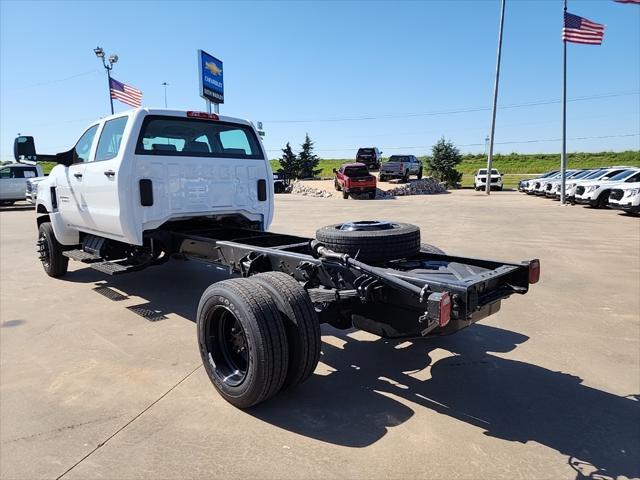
{"type": "Point", "coordinates": [444, 158]}
{"type": "Point", "coordinates": [308, 160]}
{"type": "Point", "coordinates": [289, 162]}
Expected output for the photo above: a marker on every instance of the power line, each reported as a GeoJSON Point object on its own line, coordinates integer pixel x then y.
{"type": "Point", "coordinates": [511, 142]}
{"type": "Point", "coordinates": [452, 112]}
{"type": "Point", "coordinates": [25, 87]}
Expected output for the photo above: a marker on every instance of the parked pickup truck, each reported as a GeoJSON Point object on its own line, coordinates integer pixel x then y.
{"type": "Point", "coordinates": [13, 180]}
{"type": "Point", "coordinates": [354, 179]}
{"type": "Point", "coordinates": [400, 166]}
{"type": "Point", "coordinates": [370, 156]}
{"type": "Point", "coordinates": [480, 179]}
{"type": "Point", "coordinates": [142, 186]}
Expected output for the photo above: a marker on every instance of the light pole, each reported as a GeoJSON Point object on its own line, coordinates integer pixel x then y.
{"type": "Point", "coordinates": [165, 85]}
{"type": "Point", "coordinates": [495, 101]}
{"type": "Point", "coordinates": [108, 66]}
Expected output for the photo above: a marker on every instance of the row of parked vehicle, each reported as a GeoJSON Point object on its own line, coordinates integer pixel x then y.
{"type": "Point", "coordinates": [614, 187]}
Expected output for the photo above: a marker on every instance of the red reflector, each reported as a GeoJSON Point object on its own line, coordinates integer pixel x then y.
{"type": "Point", "coordinates": [534, 271]}
{"type": "Point", "coordinates": [445, 309]}
{"type": "Point", "coordinates": [210, 116]}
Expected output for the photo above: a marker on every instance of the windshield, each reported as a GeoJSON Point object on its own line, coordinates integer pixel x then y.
{"type": "Point", "coordinates": [623, 175]}
{"type": "Point", "coordinates": [356, 172]}
{"type": "Point", "coordinates": [595, 174]}
{"type": "Point", "coordinates": [178, 136]}
{"type": "Point", "coordinates": [483, 171]}
{"type": "Point", "coordinates": [549, 174]}
{"type": "Point", "coordinates": [582, 174]}
{"type": "Point", "coordinates": [398, 158]}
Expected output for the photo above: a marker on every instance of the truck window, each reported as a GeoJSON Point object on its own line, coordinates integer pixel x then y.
{"type": "Point", "coordinates": [5, 173]}
{"type": "Point", "coordinates": [177, 136]}
{"type": "Point", "coordinates": [83, 147]}
{"type": "Point", "coordinates": [110, 138]}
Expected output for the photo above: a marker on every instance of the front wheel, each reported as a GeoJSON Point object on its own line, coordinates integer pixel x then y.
{"type": "Point", "coordinates": [405, 177]}
{"type": "Point", "coordinates": [243, 342]}
{"type": "Point", "coordinates": [50, 251]}
{"type": "Point", "coordinates": [372, 195]}
{"type": "Point", "coordinates": [420, 174]}
{"type": "Point", "coordinates": [336, 185]}
{"type": "Point", "coordinates": [345, 194]}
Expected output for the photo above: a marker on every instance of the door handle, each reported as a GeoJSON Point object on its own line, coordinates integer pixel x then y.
{"type": "Point", "coordinates": [109, 173]}
{"type": "Point", "coordinates": [77, 175]}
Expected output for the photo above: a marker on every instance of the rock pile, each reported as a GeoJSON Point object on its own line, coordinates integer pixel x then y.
{"type": "Point", "coordinates": [424, 186]}
{"type": "Point", "coordinates": [300, 189]}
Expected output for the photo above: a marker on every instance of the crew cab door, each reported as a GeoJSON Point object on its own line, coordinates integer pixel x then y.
{"type": "Point", "coordinates": [101, 214]}
{"type": "Point", "coordinates": [69, 186]}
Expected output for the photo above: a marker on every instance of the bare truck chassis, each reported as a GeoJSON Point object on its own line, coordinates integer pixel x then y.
{"type": "Point", "coordinates": [425, 294]}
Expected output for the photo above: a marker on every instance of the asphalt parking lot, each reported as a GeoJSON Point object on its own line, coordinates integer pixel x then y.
{"type": "Point", "coordinates": [549, 387]}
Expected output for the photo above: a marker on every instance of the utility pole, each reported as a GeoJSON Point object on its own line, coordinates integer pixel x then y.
{"type": "Point", "coordinates": [165, 85]}
{"type": "Point", "coordinates": [108, 66]}
{"type": "Point", "coordinates": [495, 102]}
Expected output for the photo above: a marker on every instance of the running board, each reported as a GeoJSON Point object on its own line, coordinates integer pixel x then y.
{"type": "Point", "coordinates": [82, 256]}
{"type": "Point", "coordinates": [100, 264]}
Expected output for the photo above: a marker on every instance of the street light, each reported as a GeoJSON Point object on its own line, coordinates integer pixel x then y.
{"type": "Point", "coordinates": [108, 66]}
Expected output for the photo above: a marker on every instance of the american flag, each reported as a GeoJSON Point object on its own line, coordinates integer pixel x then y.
{"type": "Point", "coordinates": [125, 93]}
{"type": "Point", "coordinates": [580, 30]}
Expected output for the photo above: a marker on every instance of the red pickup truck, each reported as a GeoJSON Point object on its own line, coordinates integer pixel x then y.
{"type": "Point", "coordinates": [354, 178]}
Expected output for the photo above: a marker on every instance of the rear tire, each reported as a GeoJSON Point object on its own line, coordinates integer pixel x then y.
{"type": "Point", "coordinates": [420, 174]}
{"type": "Point", "coordinates": [405, 177]}
{"type": "Point", "coordinates": [372, 195]}
{"type": "Point", "coordinates": [382, 178]}
{"type": "Point", "coordinates": [53, 261]}
{"type": "Point", "coordinates": [401, 241]}
{"type": "Point", "coordinates": [242, 342]}
{"type": "Point", "coordinates": [300, 322]}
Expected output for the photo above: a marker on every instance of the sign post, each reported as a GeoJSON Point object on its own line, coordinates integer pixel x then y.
{"type": "Point", "coordinates": [211, 80]}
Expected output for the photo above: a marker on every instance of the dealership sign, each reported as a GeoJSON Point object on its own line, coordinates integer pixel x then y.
{"type": "Point", "coordinates": [211, 77]}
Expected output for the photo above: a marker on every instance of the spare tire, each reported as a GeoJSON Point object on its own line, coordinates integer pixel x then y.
{"type": "Point", "coordinates": [372, 241]}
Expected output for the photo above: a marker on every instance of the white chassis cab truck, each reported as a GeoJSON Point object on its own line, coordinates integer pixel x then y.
{"type": "Point", "coordinates": [142, 186]}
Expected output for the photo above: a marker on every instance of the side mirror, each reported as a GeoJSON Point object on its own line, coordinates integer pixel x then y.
{"type": "Point", "coordinates": [502, 174]}
{"type": "Point", "coordinates": [24, 147]}
{"type": "Point", "coordinates": [67, 158]}
{"type": "Point", "coordinates": [335, 170]}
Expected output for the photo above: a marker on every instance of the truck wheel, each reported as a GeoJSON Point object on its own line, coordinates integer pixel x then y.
{"type": "Point", "coordinates": [50, 251]}
{"type": "Point", "coordinates": [405, 177]}
{"type": "Point", "coordinates": [372, 241]}
{"type": "Point", "coordinates": [345, 194]}
{"type": "Point", "coordinates": [337, 185]}
{"type": "Point", "coordinates": [372, 195]}
{"type": "Point", "coordinates": [425, 247]}
{"type": "Point", "coordinates": [242, 341]}
{"type": "Point", "coordinates": [420, 173]}
{"type": "Point", "coordinates": [603, 199]}
{"type": "Point", "coordinates": [382, 178]}
{"type": "Point", "coordinates": [300, 322]}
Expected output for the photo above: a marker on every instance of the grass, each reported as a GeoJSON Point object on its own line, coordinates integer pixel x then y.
{"type": "Point", "coordinates": [515, 166]}
{"type": "Point", "coordinates": [514, 163]}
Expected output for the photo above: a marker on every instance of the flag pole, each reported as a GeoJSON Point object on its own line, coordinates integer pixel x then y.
{"type": "Point", "coordinates": [495, 103]}
{"type": "Point", "coordinates": [563, 155]}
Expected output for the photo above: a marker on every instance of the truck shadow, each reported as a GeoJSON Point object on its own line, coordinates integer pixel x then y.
{"type": "Point", "coordinates": [367, 387]}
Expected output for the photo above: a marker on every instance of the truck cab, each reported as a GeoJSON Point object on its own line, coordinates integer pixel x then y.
{"type": "Point", "coordinates": [132, 172]}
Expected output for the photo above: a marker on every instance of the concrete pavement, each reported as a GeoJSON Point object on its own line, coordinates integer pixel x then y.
{"type": "Point", "coordinates": [546, 388]}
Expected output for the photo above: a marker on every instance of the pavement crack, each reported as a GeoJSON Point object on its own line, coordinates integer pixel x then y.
{"type": "Point", "coordinates": [104, 442]}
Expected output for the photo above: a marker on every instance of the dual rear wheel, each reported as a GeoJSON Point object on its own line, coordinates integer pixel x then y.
{"type": "Point", "coordinates": [257, 336]}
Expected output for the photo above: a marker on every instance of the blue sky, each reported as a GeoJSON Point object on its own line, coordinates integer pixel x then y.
{"type": "Point", "coordinates": [307, 66]}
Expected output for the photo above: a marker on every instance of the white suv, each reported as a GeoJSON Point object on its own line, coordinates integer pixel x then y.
{"type": "Point", "coordinates": [480, 179]}
{"type": "Point", "coordinates": [626, 198]}
{"type": "Point", "coordinates": [595, 193]}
